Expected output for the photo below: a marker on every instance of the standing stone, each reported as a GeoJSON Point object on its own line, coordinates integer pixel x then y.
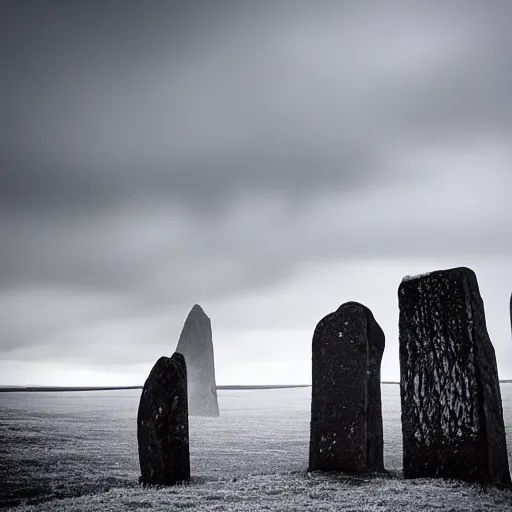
{"type": "Point", "coordinates": [346, 412]}
{"type": "Point", "coordinates": [452, 419]}
{"type": "Point", "coordinates": [196, 345]}
{"type": "Point", "coordinates": [162, 424]}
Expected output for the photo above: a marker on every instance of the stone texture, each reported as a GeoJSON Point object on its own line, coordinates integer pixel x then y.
{"type": "Point", "coordinates": [162, 424]}
{"type": "Point", "coordinates": [346, 411]}
{"type": "Point", "coordinates": [452, 419]}
{"type": "Point", "coordinates": [196, 345]}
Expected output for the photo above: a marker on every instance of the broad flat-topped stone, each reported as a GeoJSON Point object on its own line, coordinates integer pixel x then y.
{"type": "Point", "coordinates": [346, 413]}
{"type": "Point", "coordinates": [196, 345]}
{"type": "Point", "coordinates": [452, 419]}
{"type": "Point", "coordinates": [162, 424]}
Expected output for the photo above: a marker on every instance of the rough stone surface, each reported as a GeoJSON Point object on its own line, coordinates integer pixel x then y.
{"type": "Point", "coordinates": [162, 424]}
{"type": "Point", "coordinates": [452, 419]}
{"type": "Point", "coordinates": [346, 411]}
{"type": "Point", "coordinates": [196, 345]}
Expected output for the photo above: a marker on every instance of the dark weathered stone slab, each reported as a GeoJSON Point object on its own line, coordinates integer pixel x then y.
{"type": "Point", "coordinates": [346, 413]}
{"type": "Point", "coordinates": [196, 345]}
{"type": "Point", "coordinates": [162, 424]}
{"type": "Point", "coordinates": [452, 419]}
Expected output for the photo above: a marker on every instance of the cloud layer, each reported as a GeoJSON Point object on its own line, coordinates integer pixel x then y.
{"type": "Point", "coordinates": [157, 155]}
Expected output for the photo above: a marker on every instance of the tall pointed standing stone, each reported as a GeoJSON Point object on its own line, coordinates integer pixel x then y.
{"type": "Point", "coordinates": [452, 419]}
{"type": "Point", "coordinates": [346, 412]}
{"type": "Point", "coordinates": [196, 345]}
{"type": "Point", "coordinates": [162, 424]}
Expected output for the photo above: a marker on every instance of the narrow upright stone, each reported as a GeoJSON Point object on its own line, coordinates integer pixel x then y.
{"type": "Point", "coordinates": [346, 412]}
{"type": "Point", "coordinates": [452, 418]}
{"type": "Point", "coordinates": [196, 345]}
{"type": "Point", "coordinates": [162, 424]}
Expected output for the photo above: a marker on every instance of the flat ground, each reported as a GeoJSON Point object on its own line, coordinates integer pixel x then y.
{"type": "Point", "coordinates": [78, 451]}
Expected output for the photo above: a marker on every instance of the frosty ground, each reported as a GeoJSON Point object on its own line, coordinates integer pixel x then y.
{"type": "Point", "coordinates": [78, 451]}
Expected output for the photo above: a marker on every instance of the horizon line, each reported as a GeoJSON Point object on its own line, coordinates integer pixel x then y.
{"type": "Point", "coordinates": [221, 387]}
{"type": "Point", "coordinates": [7, 388]}
{"type": "Point", "coordinates": [226, 387]}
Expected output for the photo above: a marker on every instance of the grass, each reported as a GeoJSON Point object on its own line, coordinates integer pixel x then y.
{"type": "Point", "coordinates": [78, 451]}
{"type": "Point", "coordinates": [294, 492]}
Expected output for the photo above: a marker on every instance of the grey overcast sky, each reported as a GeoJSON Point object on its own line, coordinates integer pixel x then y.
{"type": "Point", "coordinates": [269, 160]}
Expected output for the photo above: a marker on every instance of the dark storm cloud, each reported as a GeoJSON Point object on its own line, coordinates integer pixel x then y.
{"type": "Point", "coordinates": [158, 154]}
{"type": "Point", "coordinates": [114, 100]}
